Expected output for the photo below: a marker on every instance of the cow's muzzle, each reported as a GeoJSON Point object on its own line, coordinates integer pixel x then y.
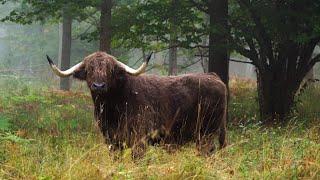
{"type": "Point", "coordinates": [98, 86]}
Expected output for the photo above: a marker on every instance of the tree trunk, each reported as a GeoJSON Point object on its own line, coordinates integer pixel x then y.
{"type": "Point", "coordinates": [173, 40]}
{"type": "Point", "coordinates": [65, 48]}
{"type": "Point", "coordinates": [105, 26]}
{"type": "Point", "coordinates": [218, 52]}
{"type": "Point", "coordinates": [279, 81]}
{"type": "Point", "coordinates": [173, 60]}
{"type": "Point", "coordinates": [275, 100]}
{"type": "Point", "coordinates": [218, 35]}
{"type": "Point", "coordinates": [276, 90]}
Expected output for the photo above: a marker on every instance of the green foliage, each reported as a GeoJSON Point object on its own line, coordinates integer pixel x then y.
{"type": "Point", "coordinates": [143, 22]}
{"type": "Point", "coordinates": [280, 22]}
{"type": "Point", "coordinates": [27, 12]}
{"type": "Point", "coordinates": [135, 24]}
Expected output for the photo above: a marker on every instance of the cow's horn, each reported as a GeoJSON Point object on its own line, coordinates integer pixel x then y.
{"type": "Point", "coordinates": [60, 73]}
{"type": "Point", "coordinates": [138, 71]}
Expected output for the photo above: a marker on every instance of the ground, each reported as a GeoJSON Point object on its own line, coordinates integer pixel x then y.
{"type": "Point", "coordinates": [49, 134]}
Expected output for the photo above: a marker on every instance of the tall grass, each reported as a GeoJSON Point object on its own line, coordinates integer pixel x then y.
{"type": "Point", "coordinates": [49, 134]}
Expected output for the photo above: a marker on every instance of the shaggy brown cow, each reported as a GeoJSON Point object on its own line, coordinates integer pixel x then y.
{"type": "Point", "coordinates": [133, 109]}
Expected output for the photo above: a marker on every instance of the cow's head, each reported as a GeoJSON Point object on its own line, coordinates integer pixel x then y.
{"type": "Point", "coordinates": [100, 70]}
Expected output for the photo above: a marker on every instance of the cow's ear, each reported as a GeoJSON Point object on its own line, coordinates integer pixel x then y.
{"type": "Point", "coordinates": [80, 73]}
{"type": "Point", "coordinates": [119, 74]}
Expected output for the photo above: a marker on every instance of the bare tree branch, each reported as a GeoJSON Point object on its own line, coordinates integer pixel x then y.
{"type": "Point", "coordinates": [84, 32]}
{"type": "Point", "coordinates": [239, 61]}
{"type": "Point", "coordinates": [262, 36]}
{"type": "Point", "coordinates": [247, 53]}
{"type": "Point", "coordinates": [306, 59]}
{"type": "Point", "coordinates": [315, 59]}
{"type": "Point", "coordinates": [188, 65]}
{"type": "Point", "coordinates": [230, 59]}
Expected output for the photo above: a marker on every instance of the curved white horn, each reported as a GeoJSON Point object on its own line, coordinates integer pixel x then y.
{"type": "Point", "coordinates": [138, 71]}
{"type": "Point", "coordinates": [65, 73]}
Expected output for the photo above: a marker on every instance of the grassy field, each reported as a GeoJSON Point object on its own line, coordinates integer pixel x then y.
{"type": "Point", "coordinates": [48, 134]}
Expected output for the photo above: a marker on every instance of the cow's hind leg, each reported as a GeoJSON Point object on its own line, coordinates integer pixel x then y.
{"type": "Point", "coordinates": [222, 137]}
{"type": "Point", "coordinates": [223, 131]}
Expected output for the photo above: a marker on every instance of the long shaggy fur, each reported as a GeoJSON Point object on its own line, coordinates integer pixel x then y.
{"type": "Point", "coordinates": [149, 108]}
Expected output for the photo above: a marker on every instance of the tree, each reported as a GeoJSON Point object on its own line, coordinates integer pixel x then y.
{"type": "Point", "coordinates": [105, 26]}
{"type": "Point", "coordinates": [173, 40]}
{"type": "Point", "coordinates": [279, 38]}
{"type": "Point", "coordinates": [218, 35]}
{"type": "Point", "coordinates": [218, 39]}
{"type": "Point", "coordinates": [65, 46]}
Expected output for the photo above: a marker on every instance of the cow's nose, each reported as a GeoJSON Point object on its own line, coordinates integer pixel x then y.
{"type": "Point", "coordinates": [98, 86]}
